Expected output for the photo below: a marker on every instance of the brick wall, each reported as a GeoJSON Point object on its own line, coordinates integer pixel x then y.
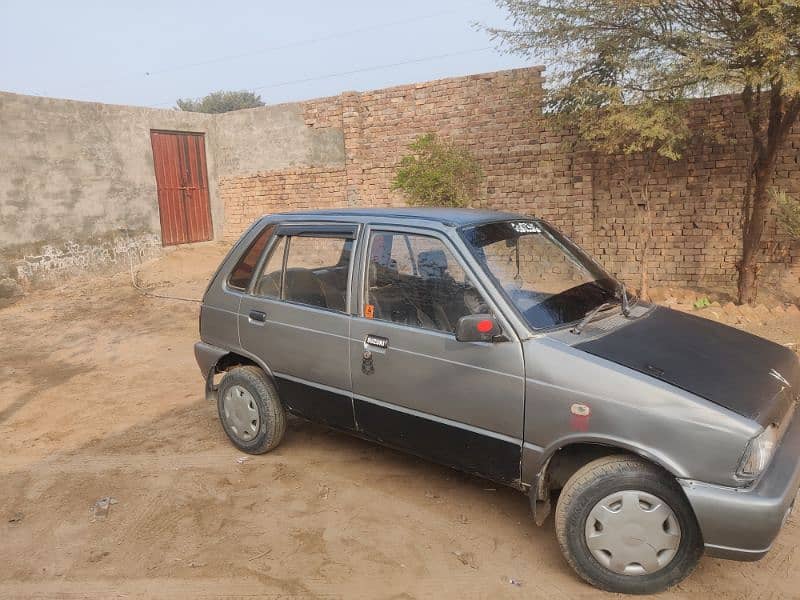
{"type": "Point", "coordinates": [533, 169]}
{"type": "Point", "coordinates": [301, 188]}
{"type": "Point", "coordinates": [696, 206]}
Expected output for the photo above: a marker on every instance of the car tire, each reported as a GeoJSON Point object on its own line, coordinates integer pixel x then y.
{"type": "Point", "coordinates": [250, 411]}
{"type": "Point", "coordinates": [631, 496]}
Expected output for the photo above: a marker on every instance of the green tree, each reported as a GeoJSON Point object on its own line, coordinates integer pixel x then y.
{"type": "Point", "coordinates": [221, 101]}
{"type": "Point", "coordinates": [613, 55]}
{"type": "Point", "coordinates": [438, 173]}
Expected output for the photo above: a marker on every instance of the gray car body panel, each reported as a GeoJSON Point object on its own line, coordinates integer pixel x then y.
{"type": "Point", "coordinates": [514, 398]}
{"type": "Point", "coordinates": [629, 410]}
{"type": "Point", "coordinates": [477, 383]}
{"type": "Point", "coordinates": [314, 342]}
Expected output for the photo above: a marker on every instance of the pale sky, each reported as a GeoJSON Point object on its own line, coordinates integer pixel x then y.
{"type": "Point", "coordinates": [150, 53]}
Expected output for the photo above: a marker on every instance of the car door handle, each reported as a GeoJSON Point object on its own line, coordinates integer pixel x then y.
{"type": "Point", "coordinates": [257, 317]}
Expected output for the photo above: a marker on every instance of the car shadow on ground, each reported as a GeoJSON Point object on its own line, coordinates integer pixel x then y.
{"type": "Point", "coordinates": [187, 504]}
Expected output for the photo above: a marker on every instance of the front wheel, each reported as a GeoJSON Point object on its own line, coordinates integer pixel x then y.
{"type": "Point", "coordinates": [625, 526]}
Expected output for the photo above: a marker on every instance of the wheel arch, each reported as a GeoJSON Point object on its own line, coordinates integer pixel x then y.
{"type": "Point", "coordinates": [227, 361]}
{"type": "Point", "coordinates": [611, 444]}
{"type": "Point", "coordinates": [558, 461]}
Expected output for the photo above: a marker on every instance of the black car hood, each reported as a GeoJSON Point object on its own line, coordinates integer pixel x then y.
{"type": "Point", "coordinates": [729, 367]}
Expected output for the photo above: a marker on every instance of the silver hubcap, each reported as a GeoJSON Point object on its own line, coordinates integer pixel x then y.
{"type": "Point", "coordinates": [632, 533]}
{"type": "Point", "coordinates": [241, 412]}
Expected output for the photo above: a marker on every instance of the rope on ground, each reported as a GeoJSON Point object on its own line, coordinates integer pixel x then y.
{"type": "Point", "coordinates": [147, 292]}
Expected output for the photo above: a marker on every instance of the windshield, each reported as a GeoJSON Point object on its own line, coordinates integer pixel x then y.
{"type": "Point", "coordinates": [549, 280]}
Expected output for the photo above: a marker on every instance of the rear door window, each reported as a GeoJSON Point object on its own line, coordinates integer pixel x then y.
{"type": "Point", "coordinates": [269, 284]}
{"type": "Point", "coordinates": [316, 273]}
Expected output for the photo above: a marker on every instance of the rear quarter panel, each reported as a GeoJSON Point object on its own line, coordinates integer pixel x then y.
{"type": "Point", "coordinates": [219, 311]}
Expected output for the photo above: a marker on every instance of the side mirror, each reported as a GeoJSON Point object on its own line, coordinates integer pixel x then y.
{"type": "Point", "coordinates": [477, 328]}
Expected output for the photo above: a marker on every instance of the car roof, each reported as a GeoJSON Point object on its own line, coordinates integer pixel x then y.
{"type": "Point", "coordinates": [452, 217]}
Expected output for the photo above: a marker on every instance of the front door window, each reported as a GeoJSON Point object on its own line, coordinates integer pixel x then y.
{"type": "Point", "coordinates": [415, 280]}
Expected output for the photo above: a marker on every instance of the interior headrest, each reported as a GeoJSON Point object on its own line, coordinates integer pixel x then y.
{"type": "Point", "coordinates": [432, 263]}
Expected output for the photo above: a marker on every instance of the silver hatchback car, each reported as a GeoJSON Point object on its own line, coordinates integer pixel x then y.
{"type": "Point", "coordinates": [490, 343]}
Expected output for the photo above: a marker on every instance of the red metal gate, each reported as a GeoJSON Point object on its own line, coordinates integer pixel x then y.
{"type": "Point", "coordinates": [182, 180]}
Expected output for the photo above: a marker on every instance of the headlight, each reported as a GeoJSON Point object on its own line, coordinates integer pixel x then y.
{"type": "Point", "coordinates": [758, 454]}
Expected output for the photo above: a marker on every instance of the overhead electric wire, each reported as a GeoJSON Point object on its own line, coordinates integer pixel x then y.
{"type": "Point", "coordinates": [303, 42]}
{"type": "Point", "coordinates": [287, 45]}
{"type": "Point", "coordinates": [355, 71]}
{"type": "Point", "coordinates": [374, 68]}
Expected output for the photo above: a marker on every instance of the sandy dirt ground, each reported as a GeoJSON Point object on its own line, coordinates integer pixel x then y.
{"type": "Point", "coordinates": [102, 398]}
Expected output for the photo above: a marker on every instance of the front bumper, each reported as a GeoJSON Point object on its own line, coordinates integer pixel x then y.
{"type": "Point", "coordinates": [742, 523]}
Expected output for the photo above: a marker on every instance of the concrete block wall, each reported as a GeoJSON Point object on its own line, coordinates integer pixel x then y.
{"type": "Point", "coordinates": [77, 184]}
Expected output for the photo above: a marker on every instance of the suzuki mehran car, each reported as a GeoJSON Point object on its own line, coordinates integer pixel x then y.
{"type": "Point", "coordinates": [490, 343]}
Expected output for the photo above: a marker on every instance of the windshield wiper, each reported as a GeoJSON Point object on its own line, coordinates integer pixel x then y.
{"type": "Point", "coordinates": [590, 315]}
{"type": "Point", "coordinates": [626, 306]}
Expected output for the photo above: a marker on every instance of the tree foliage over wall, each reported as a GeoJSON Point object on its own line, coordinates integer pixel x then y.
{"type": "Point", "coordinates": [221, 102]}
{"type": "Point", "coordinates": [788, 214]}
{"type": "Point", "coordinates": [437, 172]}
{"type": "Point", "coordinates": [634, 64]}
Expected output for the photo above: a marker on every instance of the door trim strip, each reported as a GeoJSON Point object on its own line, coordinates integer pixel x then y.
{"type": "Point", "coordinates": [443, 421]}
{"type": "Point", "coordinates": [403, 409]}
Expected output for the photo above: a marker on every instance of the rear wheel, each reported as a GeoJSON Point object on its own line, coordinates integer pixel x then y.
{"type": "Point", "coordinates": [250, 411]}
{"type": "Point", "coordinates": [625, 526]}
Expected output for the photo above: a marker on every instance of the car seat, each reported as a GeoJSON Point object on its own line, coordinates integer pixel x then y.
{"type": "Point", "coordinates": [303, 286]}
{"type": "Point", "coordinates": [440, 287]}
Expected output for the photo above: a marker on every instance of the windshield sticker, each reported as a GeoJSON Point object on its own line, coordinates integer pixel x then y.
{"type": "Point", "coordinates": [525, 227]}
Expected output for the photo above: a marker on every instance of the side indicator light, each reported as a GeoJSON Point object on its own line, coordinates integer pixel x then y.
{"type": "Point", "coordinates": [484, 326]}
